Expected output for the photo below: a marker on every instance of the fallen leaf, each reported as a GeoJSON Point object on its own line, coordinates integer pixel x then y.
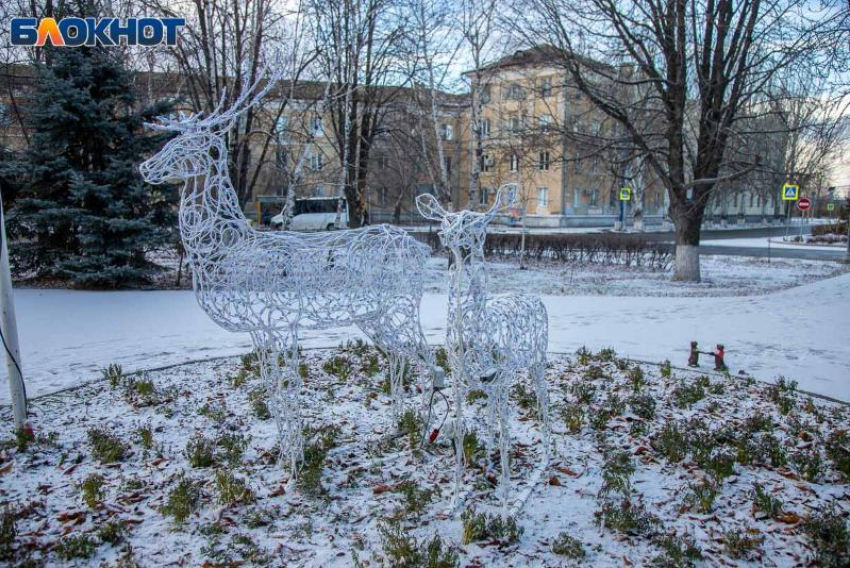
{"type": "Point", "coordinates": [566, 471]}
{"type": "Point", "coordinates": [6, 468]}
{"type": "Point", "coordinates": [555, 481]}
{"type": "Point", "coordinates": [790, 518]}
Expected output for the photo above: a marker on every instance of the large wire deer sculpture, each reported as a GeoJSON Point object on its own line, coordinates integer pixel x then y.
{"type": "Point", "coordinates": [273, 284]}
{"type": "Point", "coordinates": [489, 340]}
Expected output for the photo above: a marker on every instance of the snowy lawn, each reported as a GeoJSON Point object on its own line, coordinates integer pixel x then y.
{"type": "Point", "coordinates": [177, 467]}
{"type": "Point", "coordinates": [800, 332]}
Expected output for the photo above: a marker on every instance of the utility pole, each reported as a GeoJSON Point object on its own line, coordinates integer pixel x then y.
{"type": "Point", "coordinates": [9, 332]}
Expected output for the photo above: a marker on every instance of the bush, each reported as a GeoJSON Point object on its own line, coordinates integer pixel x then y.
{"type": "Point", "coordinates": [8, 533]}
{"type": "Point", "coordinates": [566, 545]}
{"type": "Point", "coordinates": [317, 445]}
{"type": "Point", "coordinates": [106, 447]}
{"type": "Point", "coordinates": [481, 526]}
{"type": "Point", "coordinates": [231, 489]}
{"type": "Point", "coordinates": [404, 551]}
{"type": "Point", "coordinates": [114, 374]}
{"type": "Point", "coordinates": [741, 546]}
{"type": "Point", "coordinates": [113, 531]}
{"type": "Point", "coordinates": [830, 539]}
{"type": "Point", "coordinates": [92, 488]}
{"type": "Point", "coordinates": [75, 546]}
{"type": "Point", "coordinates": [183, 500]}
{"type": "Point", "coordinates": [200, 451]}
{"type": "Point", "coordinates": [677, 553]}
{"type": "Point", "coordinates": [599, 248]}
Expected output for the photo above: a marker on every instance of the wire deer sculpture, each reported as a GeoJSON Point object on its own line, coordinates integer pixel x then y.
{"type": "Point", "coordinates": [273, 284]}
{"type": "Point", "coordinates": [489, 340]}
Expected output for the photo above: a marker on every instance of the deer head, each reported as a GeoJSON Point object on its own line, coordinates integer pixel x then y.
{"type": "Point", "coordinates": [199, 139]}
{"type": "Point", "coordinates": [465, 229]}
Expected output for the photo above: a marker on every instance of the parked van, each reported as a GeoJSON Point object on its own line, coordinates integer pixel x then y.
{"type": "Point", "coordinates": [315, 214]}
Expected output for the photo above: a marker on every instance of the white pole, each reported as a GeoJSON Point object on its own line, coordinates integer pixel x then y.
{"type": "Point", "coordinates": [9, 328]}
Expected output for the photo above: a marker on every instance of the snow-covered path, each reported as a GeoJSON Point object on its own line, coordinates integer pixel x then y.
{"type": "Point", "coordinates": [802, 333]}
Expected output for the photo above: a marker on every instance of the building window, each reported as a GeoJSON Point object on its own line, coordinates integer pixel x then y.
{"type": "Point", "coordinates": [448, 163]}
{"type": "Point", "coordinates": [319, 191]}
{"type": "Point", "coordinates": [316, 162]}
{"type": "Point", "coordinates": [515, 124]}
{"type": "Point", "coordinates": [382, 195]}
{"type": "Point", "coordinates": [281, 126]}
{"type": "Point", "coordinates": [752, 199]}
{"type": "Point", "coordinates": [543, 161]}
{"type": "Point", "coordinates": [546, 87]}
{"type": "Point", "coordinates": [383, 161]}
{"type": "Point", "coordinates": [485, 94]}
{"type": "Point", "coordinates": [515, 92]}
{"type": "Point", "coordinates": [735, 200]}
{"type": "Point", "coordinates": [542, 198]}
{"type": "Point", "coordinates": [448, 132]}
{"type": "Point", "coordinates": [486, 162]}
{"type": "Point", "coordinates": [484, 127]}
{"type": "Point", "coordinates": [316, 126]}
{"type": "Point", "coordinates": [514, 162]}
{"type": "Point", "coordinates": [545, 122]}
{"type": "Point", "coordinates": [483, 195]}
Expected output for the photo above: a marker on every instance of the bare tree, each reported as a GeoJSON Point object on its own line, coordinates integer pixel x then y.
{"type": "Point", "coordinates": [223, 47]}
{"type": "Point", "coordinates": [359, 44]}
{"type": "Point", "coordinates": [702, 61]}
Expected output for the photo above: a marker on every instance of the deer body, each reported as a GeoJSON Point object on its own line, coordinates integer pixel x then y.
{"type": "Point", "coordinates": [271, 284]}
{"type": "Point", "coordinates": [490, 340]}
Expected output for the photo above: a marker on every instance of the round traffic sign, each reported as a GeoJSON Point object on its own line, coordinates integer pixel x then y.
{"type": "Point", "coordinates": [804, 204]}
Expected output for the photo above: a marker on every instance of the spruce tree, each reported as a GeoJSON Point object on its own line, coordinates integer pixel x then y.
{"type": "Point", "coordinates": [85, 215]}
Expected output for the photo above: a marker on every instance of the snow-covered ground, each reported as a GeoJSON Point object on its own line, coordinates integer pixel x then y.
{"type": "Point", "coordinates": [801, 332]}
{"type": "Point", "coordinates": [764, 242]}
{"type": "Point", "coordinates": [179, 469]}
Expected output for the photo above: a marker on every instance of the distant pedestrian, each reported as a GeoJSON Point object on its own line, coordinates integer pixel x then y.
{"type": "Point", "coordinates": [693, 358]}
{"type": "Point", "coordinates": [719, 363]}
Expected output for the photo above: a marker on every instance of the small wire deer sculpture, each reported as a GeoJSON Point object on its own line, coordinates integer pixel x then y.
{"type": "Point", "coordinates": [489, 340]}
{"type": "Point", "coordinates": [273, 284]}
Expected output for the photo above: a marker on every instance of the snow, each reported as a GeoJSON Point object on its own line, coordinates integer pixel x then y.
{"type": "Point", "coordinates": [801, 332]}
{"type": "Point", "coordinates": [774, 242]}
{"type": "Point", "coordinates": [361, 476]}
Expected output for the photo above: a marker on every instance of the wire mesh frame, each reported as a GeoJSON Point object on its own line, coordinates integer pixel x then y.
{"type": "Point", "coordinates": [272, 284]}
{"type": "Point", "coordinates": [489, 340]}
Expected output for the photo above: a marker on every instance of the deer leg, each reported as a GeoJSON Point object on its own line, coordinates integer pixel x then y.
{"type": "Point", "coordinates": [538, 375]}
{"type": "Point", "coordinates": [283, 385]}
{"type": "Point", "coordinates": [502, 411]}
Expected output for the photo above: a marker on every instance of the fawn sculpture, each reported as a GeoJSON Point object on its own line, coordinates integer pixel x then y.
{"type": "Point", "coordinates": [271, 284]}
{"type": "Point", "coordinates": [489, 340]}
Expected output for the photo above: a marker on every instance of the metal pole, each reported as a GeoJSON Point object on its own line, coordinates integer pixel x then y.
{"type": "Point", "coordinates": [9, 329]}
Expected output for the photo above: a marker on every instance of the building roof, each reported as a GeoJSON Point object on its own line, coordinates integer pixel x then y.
{"type": "Point", "coordinates": [540, 55]}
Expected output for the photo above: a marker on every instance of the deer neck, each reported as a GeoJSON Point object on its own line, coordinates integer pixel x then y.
{"type": "Point", "coordinates": [467, 284]}
{"type": "Point", "coordinates": [209, 204]}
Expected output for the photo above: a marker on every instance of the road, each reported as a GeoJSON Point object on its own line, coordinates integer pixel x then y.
{"type": "Point", "coordinates": [761, 252]}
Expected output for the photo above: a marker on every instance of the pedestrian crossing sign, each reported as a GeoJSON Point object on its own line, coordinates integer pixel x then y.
{"type": "Point", "coordinates": [790, 192]}
{"type": "Point", "coordinates": [625, 194]}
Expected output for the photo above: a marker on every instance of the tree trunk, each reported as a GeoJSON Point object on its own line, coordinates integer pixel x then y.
{"type": "Point", "coordinates": [687, 245]}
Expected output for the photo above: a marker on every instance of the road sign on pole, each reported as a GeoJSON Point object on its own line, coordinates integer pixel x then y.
{"type": "Point", "coordinates": [830, 206]}
{"type": "Point", "coordinates": [804, 204]}
{"type": "Point", "coordinates": [625, 194]}
{"type": "Point", "coordinates": [790, 192]}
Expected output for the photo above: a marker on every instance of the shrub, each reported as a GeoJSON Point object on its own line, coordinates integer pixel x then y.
{"type": "Point", "coordinates": [742, 546]}
{"type": "Point", "coordinates": [105, 446]}
{"type": "Point", "coordinates": [75, 546]}
{"type": "Point", "coordinates": [766, 503]}
{"type": "Point", "coordinates": [606, 355]}
{"type": "Point", "coordinates": [231, 489]}
{"type": "Point", "coordinates": [338, 366]}
{"type": "Point", "coordinates": [231, 446]}
{"type": "Point", "coordinates": [686, 395]}
{"type": "Point", "coordinates": [113, 531]}
{"type": "Point", "coordinates": [573, 417]}
{"type": "Point", "coordinates": [566, 545]}
{"type": "Point", "coordinates": [92, 489]}
{"type": "Point", "coordinates": [666, 369]}
{"type": "Point", "coordinates": [807, 463]}
{"type": "Point", "coordinates": [677, 553]}
{"type": "Point", "coordinates": [471, 446]}
{"type": "Point", "coordinates": [200, 451]}
{"type": "Point", "coordinates": [783, 394]}
{"type": "Point", "coordinates": [838, 450]}
{"type": "Point", "coordinates": [257, 398]}
{"type": "Point", "coordinates": [583, 391]}
{"type": "Point", "coordinates": [671, 442]}
{"type": "Point", "coordinates": [643, 406]}
{"type": "Point", "coordinates": [830, 538]}
{"type": "Point", "coordinates": [404, 551]}
{"type": "Point", "coordinates": [475, 395]}
{"type": "Point", "coordinates": [415, 499]}
{"type": "Point", "coordinates": [481, 526]}
{"type": "Point", "coordinates": [183, 500]}
{"type": "Point", "coordinates": [583, 356]}
{"type": "Point", "coordinates": [758, 422]}
{"type": "Point", "coordinates": [8, 532]}
{"type": "Point", "coordinates": [145, 435]}
{"type": "Point", "coordinates": [411, 424]}
{"type": "Point", "coordinates": [114, 374]}
{"type": "Point", "coordinates": [625, 516]}
{"type": "Point", "coordinates": [702, 495]}
{"type": "Point", "coordinates": [318, 443]}
{"type": "Point", "coordinates": [637, 380]}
